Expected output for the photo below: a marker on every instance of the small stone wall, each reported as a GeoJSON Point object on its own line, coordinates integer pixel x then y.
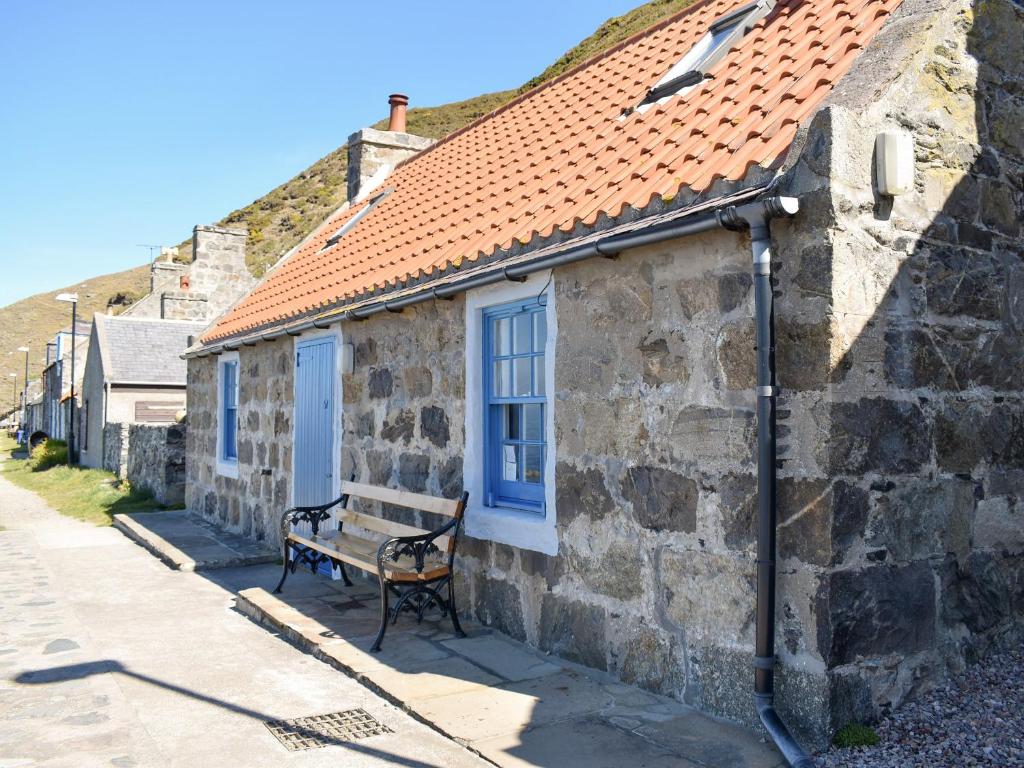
{"type": "Point", "coordinates": [115, 449]}
{"type": "Point", "coordinates": [183, 305]}
{"type": "Point", "coordinates": [156, 461]}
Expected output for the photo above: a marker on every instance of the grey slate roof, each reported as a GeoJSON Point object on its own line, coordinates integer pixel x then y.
{"type": "Point", "coordinates": [144, 351]}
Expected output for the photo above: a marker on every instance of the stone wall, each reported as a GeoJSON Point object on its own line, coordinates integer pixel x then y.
{"type": "Point", "coordinates": [184, 305]}
{"type": "Point", "coordinates": [655, 474]}
{"type": "Point", "coordinates": [115, 449]}
{"type": "Point", "coordinates": [253, 502]}
{"type": "Point", "coordinates": [156, 460]}
{"type": "Point", "coordinates": [903, 430]}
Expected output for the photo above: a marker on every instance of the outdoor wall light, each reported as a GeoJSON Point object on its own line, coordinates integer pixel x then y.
{"type": "Point", "coordinates": [348, 359]}
{"type": "Point", "coordinates": [894, 163]}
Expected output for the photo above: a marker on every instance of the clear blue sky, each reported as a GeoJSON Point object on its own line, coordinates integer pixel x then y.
{"type": "Point", "coordinates": [129, 122]}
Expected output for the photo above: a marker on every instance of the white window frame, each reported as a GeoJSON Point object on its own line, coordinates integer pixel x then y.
{"type": "Point", "coordinates": [226, 467]}
{"type": "Point", "coordinates": [515, 527]}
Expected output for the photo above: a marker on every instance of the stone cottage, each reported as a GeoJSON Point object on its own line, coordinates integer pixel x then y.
{"type": "Point", "coordinates": [755, 272]}
{"type": "Point", "coordinates": [134, 375]}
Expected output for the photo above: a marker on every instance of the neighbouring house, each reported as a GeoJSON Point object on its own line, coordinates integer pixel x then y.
{"type": "Point", "coordinates": [53, 417]}
{"type": "Point", "coordinates": [600, 312]}
{"type": "Point", "coordinates": [135, 375]}
{"type": "Point", "coordinates": [34, 413]}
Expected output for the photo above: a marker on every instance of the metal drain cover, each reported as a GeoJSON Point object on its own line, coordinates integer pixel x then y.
{"type": "Point", "coordinates": [324, 730]}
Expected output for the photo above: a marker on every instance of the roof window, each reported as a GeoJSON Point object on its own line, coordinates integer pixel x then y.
{"type": "Point", "coordinates": [720, 38]}
{"type": "Point", "coordinates": [349, 225]}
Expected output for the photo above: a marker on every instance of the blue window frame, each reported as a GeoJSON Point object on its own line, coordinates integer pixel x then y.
{"type": "Point", "coordinates": [229, 411]}
{"type": "Point", "coordinates": [515, 404]}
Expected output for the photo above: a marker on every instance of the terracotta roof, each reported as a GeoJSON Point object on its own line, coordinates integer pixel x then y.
{"type": "Point", "coordinates": [562, 154]}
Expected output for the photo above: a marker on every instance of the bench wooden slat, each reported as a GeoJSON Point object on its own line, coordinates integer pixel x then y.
{"type": "Point", "coordinates": [387, 527]}
{"type": "Point", "coordinates": [357, 544]}
{"type": "Point", "coordinates": [363, 554]}
{"type": "Point", "coordinates": [448, 507]}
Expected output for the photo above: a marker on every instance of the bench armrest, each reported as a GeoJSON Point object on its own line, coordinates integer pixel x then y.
{"type": "Point", "coordinates": [416, 547]}
{"type": "Point", "coordinates": [314, 515]}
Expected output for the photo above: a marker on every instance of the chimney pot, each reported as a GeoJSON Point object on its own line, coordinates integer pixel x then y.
{"type": "Point", "coordinates": [398, 102]}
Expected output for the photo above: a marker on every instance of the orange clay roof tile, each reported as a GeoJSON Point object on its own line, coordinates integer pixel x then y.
{"type": "Point", "coordinates": [570, 152]}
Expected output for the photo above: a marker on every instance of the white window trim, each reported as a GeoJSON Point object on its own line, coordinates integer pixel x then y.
{"type": "Point", "coordinates": [515, 527]}
{"type": "Point", "coordinates": [225, 467]}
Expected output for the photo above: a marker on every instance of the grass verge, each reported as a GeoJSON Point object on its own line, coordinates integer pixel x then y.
{"type": "Point", "coordinates": [855, 735]}
{"type": "Point", "coordinates": [7, 443]}
{"type": "Point", "coordinates": [91, 495]}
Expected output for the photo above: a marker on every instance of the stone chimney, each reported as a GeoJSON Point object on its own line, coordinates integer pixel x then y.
{"type": "Point", "coordinates": [372, 154]}
{"type": "Point", "coordinates": [217, 277]}
{"type": "Point", "coordinates": [164, 274]}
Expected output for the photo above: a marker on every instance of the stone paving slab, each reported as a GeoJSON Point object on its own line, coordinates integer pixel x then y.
{"type": "Point", "coordinates": [186, 542]}
{"type": "Point", "coordinates": [506, 702]}
{"type": "Point", "coordinates": [590, 742]}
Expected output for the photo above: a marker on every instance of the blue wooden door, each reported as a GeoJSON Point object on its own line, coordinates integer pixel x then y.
{"type": "Point", "coordinates": [313, 456]}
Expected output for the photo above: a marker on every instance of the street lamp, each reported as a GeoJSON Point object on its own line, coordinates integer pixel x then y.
{"type": "Point", "coordinates": [24, 397]}
{"type": "Point", "coordinates": [14, 391]}
{"type": "Point", "coordinates": [72, 298]}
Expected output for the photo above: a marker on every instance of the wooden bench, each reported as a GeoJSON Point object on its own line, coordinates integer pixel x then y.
{"type": "Point", "coordinates": [413, 565]}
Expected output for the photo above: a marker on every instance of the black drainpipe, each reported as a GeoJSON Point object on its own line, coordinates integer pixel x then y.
{"type": "Point", "coordinates": [756, 217]}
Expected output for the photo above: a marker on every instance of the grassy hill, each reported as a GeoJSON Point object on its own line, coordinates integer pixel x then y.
{"type": "Point", "coordinates": [281, 218]}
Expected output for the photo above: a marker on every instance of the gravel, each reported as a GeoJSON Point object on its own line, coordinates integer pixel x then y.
{"type": "Point", "coordinates": [975, 719]}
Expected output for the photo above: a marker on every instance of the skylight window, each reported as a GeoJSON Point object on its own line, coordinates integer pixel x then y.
{"type": "Point", "coordinates": [349, 225]}
{"type": "Point", "coordinates": [720, 38]}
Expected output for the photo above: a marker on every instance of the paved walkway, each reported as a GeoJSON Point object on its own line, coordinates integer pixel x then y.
{"type": "Point", "coordinates": [510, 704]}
{"type": "Point", "coordinates": [109, 658]}
{"type": "Point", "coordinates": [198, 544]}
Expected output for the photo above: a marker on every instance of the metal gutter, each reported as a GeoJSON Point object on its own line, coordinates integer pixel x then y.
{"type": "Point", "coordinates": [647, 231]}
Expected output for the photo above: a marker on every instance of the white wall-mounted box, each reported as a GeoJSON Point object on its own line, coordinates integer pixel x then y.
{"type": "Point", "coordinates": [894, 163]}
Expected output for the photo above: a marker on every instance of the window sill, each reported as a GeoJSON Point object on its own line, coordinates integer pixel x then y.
{"type": "Point", "coordinates": [227, 468]}
{"type": "Point", "coordinates": [515, 527]}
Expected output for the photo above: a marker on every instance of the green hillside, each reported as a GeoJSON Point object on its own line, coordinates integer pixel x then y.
{"type": "Point", "coordinates": [281, 218]}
